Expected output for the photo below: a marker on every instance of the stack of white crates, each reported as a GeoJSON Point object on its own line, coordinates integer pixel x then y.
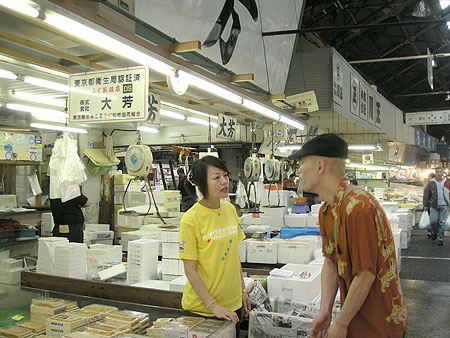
{"type": "Point", "coordinates": [70, 260]}
{"type": "Point", "coordinates": [47, 223]}
{"type": "Point", "coordinates": [169, 199]}
{"type": "Point", "coordinates": [98, 234]}
{"type": "Point", "coordinates": [172, 267]}
{"type": "Point", "coordinates": [405, 224]}
{"type": "Point", "coordinates": [46, 253]}
{"type": "Point", "coordinates": [142, 260]}
{"type": "Point", "coordinates": [10, 269]}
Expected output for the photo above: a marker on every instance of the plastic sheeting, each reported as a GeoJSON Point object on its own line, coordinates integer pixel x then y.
{"type": "Point", "coordinates": [67, 171]}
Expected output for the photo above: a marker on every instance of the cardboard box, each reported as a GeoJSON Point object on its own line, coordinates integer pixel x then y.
{"type": "Point", "coordinates": [62, 324]}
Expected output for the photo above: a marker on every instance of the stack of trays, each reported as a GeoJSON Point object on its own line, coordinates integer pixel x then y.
{"type": "Point", "coordinates": [70, 260]}
{"type": "Point", "coordinates": [142, 260]}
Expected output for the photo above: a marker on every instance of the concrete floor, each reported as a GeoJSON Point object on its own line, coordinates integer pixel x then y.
{"type": "Point", "coordinates": [425, 278]}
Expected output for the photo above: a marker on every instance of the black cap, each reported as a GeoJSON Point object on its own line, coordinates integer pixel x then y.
{"type": "Point", "coordinates": [328, 145]}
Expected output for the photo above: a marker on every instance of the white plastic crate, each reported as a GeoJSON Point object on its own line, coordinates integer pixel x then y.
{"type": "Point", "coordinates": [243, 251]}
{"type": "Point", "coordinates": [262, 251]}
{"type": "Point", "coordinates": [170, 250]}
{"type": "Point", "coordinates": [299, 289]}
{"type": "Point", "coordinates": [96, 227]}
{"type": "Point", "coordinates": [172, 236]}
{"type": "Point", "coordinates": [295, 251]}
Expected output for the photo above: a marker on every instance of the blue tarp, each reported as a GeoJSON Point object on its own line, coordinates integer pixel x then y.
{"type": "Point", "coordinates": [291, 232]}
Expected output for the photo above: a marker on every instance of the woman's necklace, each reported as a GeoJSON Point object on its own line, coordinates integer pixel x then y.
{"type": "Point", "coordinates": [215, 210]}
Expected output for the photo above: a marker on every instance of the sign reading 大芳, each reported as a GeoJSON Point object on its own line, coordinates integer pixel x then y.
{"type": "Point", "coordinates": [109, 96]}
{"type": "Point", "coordinates": [226, 127]}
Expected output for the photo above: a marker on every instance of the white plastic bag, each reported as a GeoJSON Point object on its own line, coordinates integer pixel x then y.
{"type": "Point", "coordinates": [69, 191]}
{"type": "Point", "coordinates": [241, 195]}
{"type": "Point", "coordinates": [425, 221]}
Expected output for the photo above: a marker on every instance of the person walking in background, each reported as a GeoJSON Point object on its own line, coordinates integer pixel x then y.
{"type": "Point", "coordinates": [358, 246]}
{"type": "Point", "coordinates": [187, 190]}
{"type": "Point", "coordinates": [68, 217]}
{"type": "Point", "coordinates": [430, 177]}
{"type": "Point", "coordinates": [289, 183]}
{"type": "Point", "coordinates": [436, 199]}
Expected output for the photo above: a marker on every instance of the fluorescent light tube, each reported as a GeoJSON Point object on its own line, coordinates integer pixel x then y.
{"type": "Point", "coordinates": [202, 122]}
{"type": "Point", "coordinates": [58, 128]}
{"type": "Point", "coordinates": [21, 7]}
{"type": "Point", "coordinates": [290, 147]}
{"type": "Point", "coordinates": [361, 147]}
{"type": "Point", "coordinates": [259, 108]}
{"type": "Point", "coordinates": [40, 99]}
{"type": "Point", "coordinates": [34, 110]}
{"type": "Point", "coordinates": [148, 130]}
{"type": "Point", "coordinates": [6, 74]}
{"type": "Point", "coordinates": [292, 123]}
{"type": "Point", "coordinates": [46, 84]}
{"type": "Point", "coordinates": [173, 105]}
{"type": "Point", "coordinates": [108, 43]}
{"type": "Point", "coordinates": [210, 87]}
{"type": "Point", "coordinates": [173, 115]}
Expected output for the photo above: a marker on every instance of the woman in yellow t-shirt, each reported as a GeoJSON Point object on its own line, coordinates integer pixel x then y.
{"type": "Point", "coordinates": [209, 237]}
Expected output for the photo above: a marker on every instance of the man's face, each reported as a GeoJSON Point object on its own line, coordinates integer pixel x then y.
{"type": "Point", "coordinates": [439, 174]}
{"type": "Point", "coordinates": [309, 174]}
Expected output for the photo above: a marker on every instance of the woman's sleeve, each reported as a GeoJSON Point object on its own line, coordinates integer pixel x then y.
{"type": "Point", "coordinates": [188, 241]}
{"type": "Point", "coordinates": [241, 235]}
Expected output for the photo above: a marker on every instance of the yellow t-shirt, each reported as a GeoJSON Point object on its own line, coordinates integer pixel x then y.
{"type": "Point", "coordinates": [211, 237]}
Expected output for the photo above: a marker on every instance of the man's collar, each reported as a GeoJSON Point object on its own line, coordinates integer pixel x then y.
{"type": "Point", "coordinates": [339, 195]}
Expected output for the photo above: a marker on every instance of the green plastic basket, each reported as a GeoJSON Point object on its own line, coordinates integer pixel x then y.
{"type": "Point", "coordinates": [98, 169]}
{"type": "Point", "coordinates": [98, 163]}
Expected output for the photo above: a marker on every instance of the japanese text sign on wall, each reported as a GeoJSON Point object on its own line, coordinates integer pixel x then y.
{"type": "Point", "coordinates": [109, 96]}
{"type": "Point", "coordinates": [279, 132]}
{"type": "Point", "coordinates": [226, 127]}
{"type": "Point", "coordinates": [154, 105]}
{"type": "Point", "coordinates": [21, 147]}
{"type": "Point", "coordinates": [338, 82]}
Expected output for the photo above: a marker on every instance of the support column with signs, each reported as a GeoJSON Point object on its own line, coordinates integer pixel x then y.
{"type": "Point", "coordinates": [226, 127]}
{"type": "Point", "coordinates": [109, 96]}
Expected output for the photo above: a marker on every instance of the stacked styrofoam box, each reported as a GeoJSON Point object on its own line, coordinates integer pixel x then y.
{"type": "Point", "coordinates": [8, 201]}
{"type": "Point", "coordinates": [243, 251]}
{"type": "Point", "coordinates": [318, 261]}
{"type": "Point", "coordinates": [171, 265]}
{"type": "Point", "coordinates": [404, 224]}
{"type": "Point", "coordinates": [46, 253]}
{"type": "Point", "coordinates": [297, 250]}
{"type": "Point", "coordinates": [296, 288]}
{"type": "Point", "coordinates": [274, 212]}
{"type": "Point", "coordinates": [98, 234]}
{"type": "Point", "coordinates": [262, 251]}
{"type": "Point", "coordinates": [70, 260]}
{"type": "Point", "coordinates": [315, 208]}
{"type": "Point", "coordinates": [389, 207]}
{"type": "Point", "coordinates": [169, 199]}
{"type": "Point", "coordinates": [151, 231]}
{"type": "Point", "coordinates": [272, 200]}
{"type": "Point", "coordinates": [142, 260]}
{"type": "Point", "coordinates": [10, 269]}
{"type": "Point", "coordinates": [397, 243]}
{"type": "Point", "coordinates": [100, 257]}
{"type": "Point", "coordinates": [379, 193]}
{"type": "Point", "coordinates": [23, 188]}
{"type": "Point", "coordinates": [47, 223]}
{"type": "Point", "coordinates": [276, 223]}
{"type": "Point", "coordinates": [129, 220]}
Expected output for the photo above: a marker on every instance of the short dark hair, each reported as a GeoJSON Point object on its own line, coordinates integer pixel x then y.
{"type": "Point", "coordinates": [198, 172]}
{"type": "Point", "coordinates": [180, 171]}
{"type": "Point", "coordinates": [291, 175]}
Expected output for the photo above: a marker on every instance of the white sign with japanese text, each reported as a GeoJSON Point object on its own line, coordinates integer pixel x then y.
{"type": "Point", "coordinates": [226, 127]}
{"type": "Point", "coordinates": [109, 96]}
{"type": "Point", "coordinates": [154, 105]}
{"type": "Point", "coordinates": [354, 94]}
{"type": "Point", "coordinates": [338, 82]}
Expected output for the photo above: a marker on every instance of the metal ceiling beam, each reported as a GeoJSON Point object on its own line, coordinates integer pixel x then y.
{"type": "Point", "coordinates": [399, 58]}
{"type": "Point", "coordinates": [424, 94]}
{"type": "Point", "coordinates": [352, 27]}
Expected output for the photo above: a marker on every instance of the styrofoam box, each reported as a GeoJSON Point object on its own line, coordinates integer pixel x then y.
{"type": "Point", "coordinates": [403, 220]}
{"type": "Point", "coordinates": [10, 276]}
{"type": "Point", "coordinates": [243, 251]}
{"type": "Point", "coordinates": [9, 201]}
{"type": "Point", "coordinates": [393, 221]}
{"type": "Point", "coordinates": [178, 284]}
{"type": "Point", "coordinates": [295, 251]}
{"type": "Point", "coordinates": [11, 264]}
{"type": "Point", "coordinates": [47, 223]}
{"type": "Point", "coordinates": [389, 207]}
{"type": "Point", "coordinates": [262, 251]}
{"type": "Point", "coordinates": [318, 261]}
{"type": "Point", "coordinates": [97, 227]}
{"type": "Point", "coordinates": [4, 254]}
{"type": "Point", "coordinates": [302, 290]}
{"type": "Point", "coordinates": [404, 240]}
{"type": "Point", "coordinates": [170, 235]}
{"type": "Point", "coordinates": [396, 235]}
{"type": "Point", "coordinates": [171, 267]}
{"type": "Point", "coordinates": [274, 212]}
{"type": "Point", "coordinates": [99, 241]}
{"type": "Point", "coordinates": [170, 250]}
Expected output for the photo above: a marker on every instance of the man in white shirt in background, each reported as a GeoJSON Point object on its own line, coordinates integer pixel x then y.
{"type": "Point", "coordinates": [436, 198]}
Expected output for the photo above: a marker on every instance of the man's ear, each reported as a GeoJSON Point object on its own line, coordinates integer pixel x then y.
{"type": "Point", "coordinates": [321, 165]}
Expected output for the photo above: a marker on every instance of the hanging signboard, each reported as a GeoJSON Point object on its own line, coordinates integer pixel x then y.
{"type": "Point", "coordinates": [109, 96]}
{"type": "Point", "coordinates": [306, 100]}
{"type": "Point", "coordinates": [354, 94]}
{"type": "Point", "coordinates": [370, 111]}
{"type": "Point", "coordinates": [278, 132]}
{"type": "Point", "coordinates": [226, 127]}
{"type": "Point", "coordinates": [338, 82]}
{"type": "Point", "coordinates": [377, 113]}
{"type": "Point", "coordinates": [154, 105]}
{"type": "Point", "coordinates": [363, 101]}
{"type": "Point", "coordinates": [20, 147]}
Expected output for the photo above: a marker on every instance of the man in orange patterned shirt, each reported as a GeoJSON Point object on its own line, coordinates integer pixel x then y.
{"type": "Point", "coordinates": [359, 250]}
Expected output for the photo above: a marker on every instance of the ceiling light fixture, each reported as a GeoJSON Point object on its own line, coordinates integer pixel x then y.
{"type": "Point", "coordinates": [51, 101]}
{"type": "Point", "coordinates": [173, 105]}
{"type": "Point", "coordinates": [108, 43]}
{"type": "Point", "coordinates": [147, 130]}
{"type": "Point", "coordinates": [21, 7]}
{"type": "Point", "coordinates": [361, 147]}
{"type": "Point", "coordinates": [46, 84]}
{"type": "Point", "coordinates": [58, 128]}
{"type": "Point", "coordinates": [421, 10]}
{"type": "Point", "coordinates": [173, 115]}
{"type": "Point", "coordinates": [6, 74]}
{"type": "Point", "coordinates": [259, 108]}
{"type": "Point", "coordinates": [210, 87]}
{"type": "Point", "coordinates": [201, 122]}
{"type": "Point", "coordinates": [290, 147]}
{"type": "Point", "coordinates": [292, 123]}
{"type": "Point", "coordinates": [35, 110]}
